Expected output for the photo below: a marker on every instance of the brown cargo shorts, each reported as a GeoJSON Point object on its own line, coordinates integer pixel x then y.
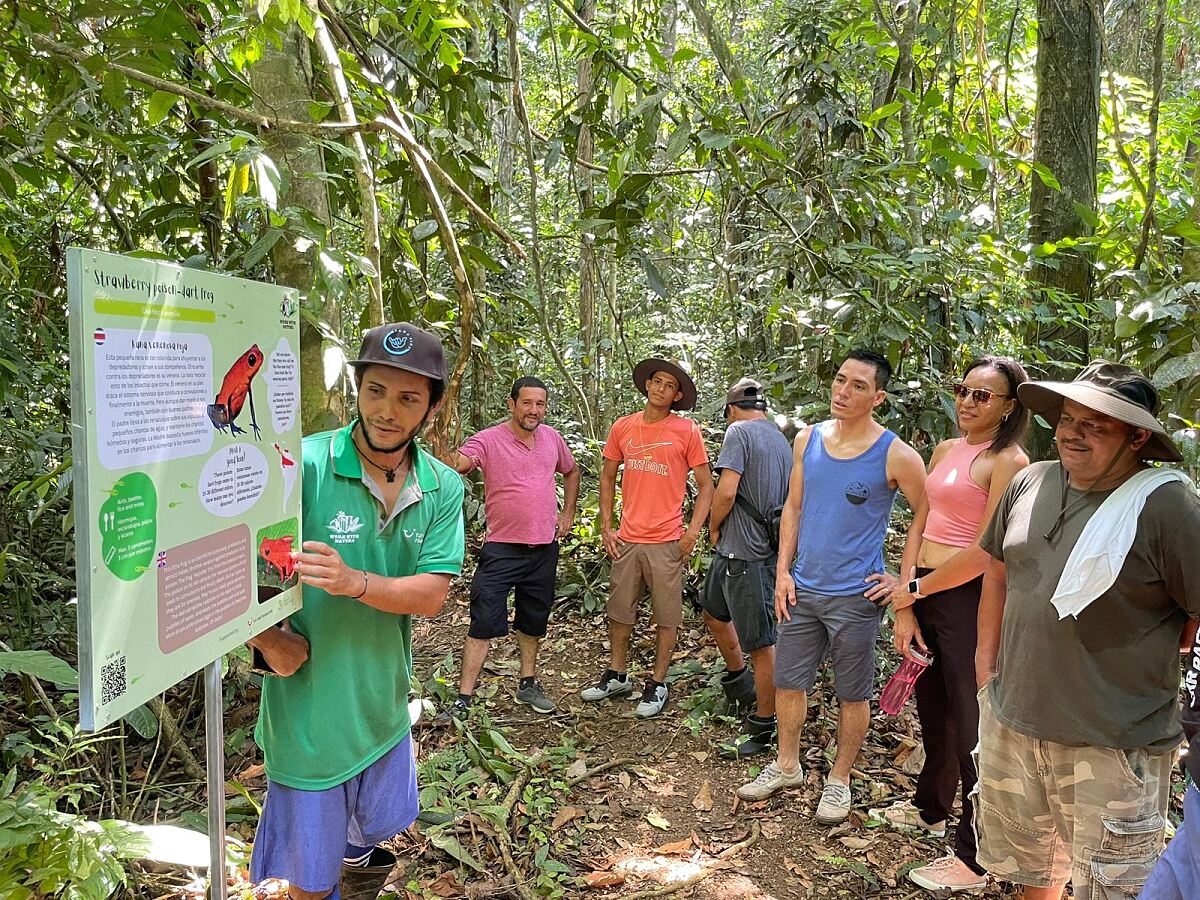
{"type": "Point", "coordinates": [1048, 813]}
{"type": "Point", "coordinates": [642, 567]}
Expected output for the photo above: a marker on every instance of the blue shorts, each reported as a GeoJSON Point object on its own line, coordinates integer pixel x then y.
{"type": "Point", "coordinates": [303, 835]}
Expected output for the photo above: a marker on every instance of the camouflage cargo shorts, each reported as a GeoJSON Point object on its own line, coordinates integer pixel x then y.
{"type": "Point", "coordinates": [1047, 813]}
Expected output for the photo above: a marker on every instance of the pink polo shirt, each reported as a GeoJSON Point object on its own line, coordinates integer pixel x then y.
{"type": "Point", "coordinates": [520, 496]}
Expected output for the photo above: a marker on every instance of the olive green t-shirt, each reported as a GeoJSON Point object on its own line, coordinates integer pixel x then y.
{"type": "Point", "coordinates": [1109, 678]}
{"type": "Point", "coordinates": [348, 704]}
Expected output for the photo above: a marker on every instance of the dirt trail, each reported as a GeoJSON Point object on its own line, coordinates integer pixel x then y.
{"type": "Point", "coordinates": [678, 793]}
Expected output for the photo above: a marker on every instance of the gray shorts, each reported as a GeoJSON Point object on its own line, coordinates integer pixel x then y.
{"type": "Point", "coordinates": [743, 592]}
{"type": "Point", "coordinates": [845, 627]}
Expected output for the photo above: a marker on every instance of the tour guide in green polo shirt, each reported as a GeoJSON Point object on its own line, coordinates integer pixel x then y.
{"type": "Point", "coordinates": [383, 535]}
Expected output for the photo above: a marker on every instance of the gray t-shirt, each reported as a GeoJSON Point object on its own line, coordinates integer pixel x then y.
{"type": "Point", "coordinates": [1109, 678]}
{"type": "Point", "coordinates": [758, 451]}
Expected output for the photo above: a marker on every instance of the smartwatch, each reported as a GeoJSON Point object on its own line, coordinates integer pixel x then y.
{"type": "Point", "coordinates": [914, 587]}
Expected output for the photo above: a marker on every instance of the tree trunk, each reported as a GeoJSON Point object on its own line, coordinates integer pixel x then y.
{"type": "Point", "coordinates": [1065, 142]}
{"type": "Point", "coordinates": [282, 85]}
{"type": "Point", "coordinates": [1191, 247]}
{"type": "Point", "coordinates": [1065, 137]}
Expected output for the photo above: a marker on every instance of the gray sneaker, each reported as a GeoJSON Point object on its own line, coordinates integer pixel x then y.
{"type": "Point", "coordinates": [771, 781]}
{"type": "Point", "coordinates": [534, 696]}
{"type": "Point", "coordinates": [654, 698]}
{"type": "Point", "coordinates": [610, 685]}
{"type": "Point", "coordinates": [835, 803]}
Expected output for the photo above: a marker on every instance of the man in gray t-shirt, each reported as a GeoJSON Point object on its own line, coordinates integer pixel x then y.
{"type": "Point", "coordinates": [755, 464]}
{"type": "Point", "coordinates": [1080, 713]}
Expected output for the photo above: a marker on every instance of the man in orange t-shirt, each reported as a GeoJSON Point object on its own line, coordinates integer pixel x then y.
{"type": "Point", "coordinates": [657, 450]}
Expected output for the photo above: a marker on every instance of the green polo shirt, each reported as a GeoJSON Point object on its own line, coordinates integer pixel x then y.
{"type": "Point", "coordinates": [348, 704]}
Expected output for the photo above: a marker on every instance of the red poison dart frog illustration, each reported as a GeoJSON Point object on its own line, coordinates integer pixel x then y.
{"type": "Point", "coordinates": [235, 391]}
{"type": "Point", "coordinates": [277, 552]}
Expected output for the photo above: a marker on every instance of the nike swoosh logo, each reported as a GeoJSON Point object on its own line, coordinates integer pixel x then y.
{"type": "Point", "coordinates": [644, 448]}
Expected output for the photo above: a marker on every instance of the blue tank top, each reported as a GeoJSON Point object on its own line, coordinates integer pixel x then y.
{"type": "Point", "coordinates": [843, 518]}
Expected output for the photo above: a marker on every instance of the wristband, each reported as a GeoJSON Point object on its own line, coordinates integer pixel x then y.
{"type": "Point", "coordinates": [363, 592]}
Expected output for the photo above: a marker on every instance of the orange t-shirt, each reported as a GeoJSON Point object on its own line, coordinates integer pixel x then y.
{"type": "Point", "coordinates": [657, 458]}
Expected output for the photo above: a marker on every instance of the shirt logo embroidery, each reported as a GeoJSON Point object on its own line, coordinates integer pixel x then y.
{"type": "Point", "coordinates": [343, 528]}
{"type": "Point", "coordinates": [417, 537]}
{"type": "Point", "coordinates": [638, 449]}
{"type": "Point", "coordinates": [857, 493]}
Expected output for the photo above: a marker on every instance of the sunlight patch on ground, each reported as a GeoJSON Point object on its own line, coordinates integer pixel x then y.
{"type": "Point", "coordinates": [659, 868]}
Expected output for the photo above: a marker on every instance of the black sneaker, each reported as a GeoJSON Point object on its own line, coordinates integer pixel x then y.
{"type": "Point", "coordinates": [459, 709]}
{"type": "Point", "coordinates": [757, 736]}
{"type": "Point", "coordinates": [654, 698]}
{"type": "Point", "coordinates": [610, 685]}
{"type": "Point", "coordinates": [533, 695]}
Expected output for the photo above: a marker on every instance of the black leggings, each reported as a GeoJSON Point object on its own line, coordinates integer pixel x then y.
{"type": "Point", "coordinates": [948, 709]}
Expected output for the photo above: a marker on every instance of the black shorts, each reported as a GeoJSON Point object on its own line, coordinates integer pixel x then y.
{"type": "Point", "coordinates": [743, 592]}
{"type": "Point", "coordinates": [530, 570]}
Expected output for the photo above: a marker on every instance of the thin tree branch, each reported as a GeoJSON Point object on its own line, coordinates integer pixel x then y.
{"type": "Point", "coordinates": [612, 59]}
{"type": "Point", "coordinates": [363, 170]}
{"type": "Point", "coordinates": [511, 12]}
{"type": "Point", "coordinates": [1148, 217]}
{"type": "Point", "coordinates": [412, 145]}
{"type": "Point", "coordinates": [233, 112]}
{"type": "Point", "coordinates": [127, 241]}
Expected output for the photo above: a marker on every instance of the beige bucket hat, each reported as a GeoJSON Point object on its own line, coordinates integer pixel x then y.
{"type": "Point", "coordinates": [1110, 388]}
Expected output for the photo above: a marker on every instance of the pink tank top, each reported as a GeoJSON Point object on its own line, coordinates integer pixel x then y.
{"type": "Point", "coordinates": [956, 503]}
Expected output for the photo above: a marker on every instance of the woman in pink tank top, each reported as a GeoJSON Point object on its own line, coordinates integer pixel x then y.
{"type": "Point", "coordinates": [937, 603]}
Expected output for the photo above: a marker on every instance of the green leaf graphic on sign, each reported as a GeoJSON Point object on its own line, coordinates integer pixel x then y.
{"type": "Point", "coordinates": [129, 526]}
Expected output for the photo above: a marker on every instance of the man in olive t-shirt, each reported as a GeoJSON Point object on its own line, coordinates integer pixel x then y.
{"type": "Point", "coordinates": [1081, 710]}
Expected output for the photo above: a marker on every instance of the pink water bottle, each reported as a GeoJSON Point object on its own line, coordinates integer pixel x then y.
{"type": "Point", "coordinates": [900, 687]}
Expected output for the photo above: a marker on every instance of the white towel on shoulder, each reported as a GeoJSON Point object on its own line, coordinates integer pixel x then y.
{"type": "Point", "coordinates": [1100, 552]}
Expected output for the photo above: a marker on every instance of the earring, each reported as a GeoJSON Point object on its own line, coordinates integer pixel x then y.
{"type": "Point", "coordinates": [1004, 418]}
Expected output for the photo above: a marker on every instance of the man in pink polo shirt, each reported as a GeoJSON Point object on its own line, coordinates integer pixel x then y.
{"type": "Point", "coordinates": [519, 459]}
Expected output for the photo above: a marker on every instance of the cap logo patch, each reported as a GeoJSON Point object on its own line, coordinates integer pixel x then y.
{"type": "Point", "coordinates": [398, 342]}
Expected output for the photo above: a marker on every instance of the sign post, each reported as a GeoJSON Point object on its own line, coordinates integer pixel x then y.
{"type": "Point", "coordinates": [185, 396]}
{"type": "Point", "coordinates": [214, 740]}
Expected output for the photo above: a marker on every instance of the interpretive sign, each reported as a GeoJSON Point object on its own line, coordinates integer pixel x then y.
{"type": "Point", "coordinates": [185, 390]}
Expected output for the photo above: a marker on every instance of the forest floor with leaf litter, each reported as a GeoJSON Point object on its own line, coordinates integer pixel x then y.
{"type": "Point", "coordinates": [665, 812]}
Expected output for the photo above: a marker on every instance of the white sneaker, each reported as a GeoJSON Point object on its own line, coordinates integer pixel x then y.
{"type": "Point", "coordinates": [904, 816]}
{"type": "Point", "coordinates": [610, 685]}
{"type": "Point", "coordinates": [654, 698]}
{"type": "Point", "coordinates": [835, 803]}
{"type": "Point", "coordinates": [770, 781]}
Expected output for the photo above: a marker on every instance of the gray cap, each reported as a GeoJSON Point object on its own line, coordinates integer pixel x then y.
{"type": "Point", "coordinates": [402, 345]}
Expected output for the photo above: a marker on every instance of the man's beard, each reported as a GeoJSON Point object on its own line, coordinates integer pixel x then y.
{"type": "Point", "coordinates": [379, 448]}
{"type": "Point", "coordinates": [526, 428]}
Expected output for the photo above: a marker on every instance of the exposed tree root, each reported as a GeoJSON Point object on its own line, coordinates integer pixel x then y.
{"type": "Point", "coordinates": [723, 863]}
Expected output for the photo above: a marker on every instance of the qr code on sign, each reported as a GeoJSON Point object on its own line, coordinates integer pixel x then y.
{"type": "Point", "coordinates": [113, 680]}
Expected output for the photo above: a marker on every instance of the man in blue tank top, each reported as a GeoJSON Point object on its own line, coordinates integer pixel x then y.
{"type": "Point", "coordinates": [845, 472]}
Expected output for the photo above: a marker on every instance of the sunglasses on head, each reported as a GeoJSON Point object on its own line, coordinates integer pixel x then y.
{"type": "Point", "coordinates": [979, 395]}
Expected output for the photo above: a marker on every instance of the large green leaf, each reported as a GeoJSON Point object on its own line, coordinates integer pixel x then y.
{"type": "Point", "coordinates": [39, 664]}
{"type": "Point", "coordinates": [1177, 369]}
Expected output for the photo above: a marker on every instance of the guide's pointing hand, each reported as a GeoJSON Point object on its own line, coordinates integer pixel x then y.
{"type": "Point", "coordinates": [323, 567]}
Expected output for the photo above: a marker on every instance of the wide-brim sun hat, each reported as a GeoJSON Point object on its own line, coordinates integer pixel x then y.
{"type": "Point", "coordinates": [645, 370]}
{"type": "Point", "coordinates": [1110, 388]}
